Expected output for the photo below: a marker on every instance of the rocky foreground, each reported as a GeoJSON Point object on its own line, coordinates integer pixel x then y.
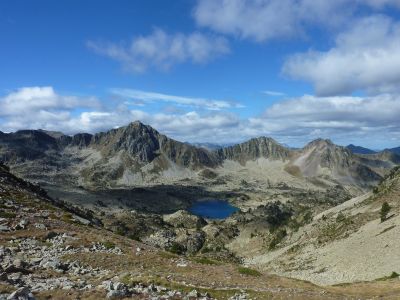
{"type": "Point", "coordinates": [49, 251]}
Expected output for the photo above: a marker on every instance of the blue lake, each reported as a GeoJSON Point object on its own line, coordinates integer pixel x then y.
{"type": "Point", "coordinates": [213, 209]}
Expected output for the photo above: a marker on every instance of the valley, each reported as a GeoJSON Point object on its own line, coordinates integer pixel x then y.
{"type": "Point", "coordinates": [309, 214]}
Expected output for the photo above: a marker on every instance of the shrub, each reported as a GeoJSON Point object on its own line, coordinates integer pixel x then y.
{"type": "Point", "coordinates": [384, 211]}
{"type": "Point", "coordinates": [248, 271]}
{"type": "Point", "coordinates": [279, 236]}
{"type": "Point", "coordinates": [176, 248]}
{"type": "Point", "coordinates": [108, 245]}
{"type": "Point", "coordinates": [340, 217]}
{"type": "Point", "coordinates": [205, 261]}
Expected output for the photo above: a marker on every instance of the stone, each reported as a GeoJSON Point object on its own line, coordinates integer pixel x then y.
{"type": "Point", "coordinates": [4, 228]}
{"type": "Point", "coordinates": [193, 294]}
{"type": "Point", "coordinates": [21, 225]}
{"type": "Point", "coordinates": [40, 226]}
{"type": "Point", "coordinates": [183, 219]}
{"type": "Point", "coordinates": [81, 220]}
{"type": "Point", "coordinates": [22, 293]}
{"type": "Point", "coordinates": [3, 276]}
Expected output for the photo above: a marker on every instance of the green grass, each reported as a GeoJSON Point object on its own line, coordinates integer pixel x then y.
{"type": "Point", "coordinates": [205, 261]}
{"type": "Point", "coordinates": [248, 271]}
{"type": "Point", "coordinates": [108, 245]}
{"type": "Point", "coordinates": [167, 255]}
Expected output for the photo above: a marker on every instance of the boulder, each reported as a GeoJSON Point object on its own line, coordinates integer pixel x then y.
{"type": "Point", "coordinates": [183, 219]}
{"type": "Point", "coordinates": [22, 293]}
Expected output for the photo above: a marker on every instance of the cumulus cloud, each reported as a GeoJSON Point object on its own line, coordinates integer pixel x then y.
{"type": "Point", "coordinates": [263, 20]}
{"type": "Point", "coordinates": [371, 121]}
{"type": "Point", "coordinates": [44, 108]}
{"type": "Point", "coordinates": [366, 57]}
{"type": "Point", "coordinates": [161, 50]}
{"type": "Point", "coordinates": [30, 100]}
{"type": "Point", "coordinates": [210, 104]}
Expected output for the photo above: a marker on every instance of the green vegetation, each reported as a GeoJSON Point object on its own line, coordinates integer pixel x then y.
{"type": "Point", "coordinates": [278, 237]}
{"type": "Point", "coordinates": [7, 215]}
{"type": "Point", "coordinates": [385, 209]}
{"type": "Point", "coordinates": [67, 217]}
{"type": "Point", "coordinates": [108, 245]}
{"type": "Point", "coordinates": [340, 217]}
{"type": "Point", "coordinates": [205, 261]}
{"type": "Point", "coordinates": [387, 229]}
{"type": "Point", "coordinates": [176, 249]}
{"type": "Point", "coordinates": [391, 276]}
{"type": "Point", "coordinates": [248, 271]}
{"type": "Point", "coordinates": [168, 255]}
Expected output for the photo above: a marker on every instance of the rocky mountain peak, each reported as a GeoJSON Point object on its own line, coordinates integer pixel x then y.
{"type": "Point", "coordinates": [262, 147]}
{"type": "Point", "coordinates": [320, 143]}
{"type": "Point", "coordinates": [138, 140]}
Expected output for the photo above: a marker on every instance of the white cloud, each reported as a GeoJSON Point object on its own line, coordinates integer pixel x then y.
{"type": "Point", "coordinates": [366, 57]}
{"type": "Point", "coordinates": [161, 50]}
{"type": "Point", "coordinates": [262, 20]}
{"type": "Point", "coordinates": [29, 100]}
{"type": "Point", "coordinates": [370, 121]}
{"type": "Point", "coordinates": [210, 104]}
{"type": "Point", "coordinates": [42, 107]}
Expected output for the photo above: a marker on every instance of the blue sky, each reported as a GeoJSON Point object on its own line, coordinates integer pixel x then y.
{"type": "Point", "coordinates": [205, 71]}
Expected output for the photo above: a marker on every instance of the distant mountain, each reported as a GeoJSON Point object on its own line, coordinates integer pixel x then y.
{"type": "Point", "coordinates": [321, 157]}
{"type": "Point", "coordinates": [359, 149]}
{"type": "Point", "coordinates": [394, 150]}
{"type": "Point", "coordinates": [207, 146]}
{"type": "Point", "coordinates": [137, 154]}
{"type": "Point", "coordinates": [262, 147]}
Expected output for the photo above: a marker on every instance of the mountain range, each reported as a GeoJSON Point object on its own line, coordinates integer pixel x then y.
{"type": "Point", "coordinates": [138, 155]}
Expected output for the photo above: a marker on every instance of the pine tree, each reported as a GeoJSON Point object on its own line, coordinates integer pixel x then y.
{"type": "Point", "coordinates": [384, 211]}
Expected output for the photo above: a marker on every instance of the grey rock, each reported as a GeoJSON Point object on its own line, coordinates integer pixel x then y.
{"type": "Point", "coordinates": [4, 228]}
{"type": "Point", "coordinates": [184, 219]}
{"type": "Point", "coordinates": [193, 294]}
{"type": "Point", "coordinates": [22, 293]}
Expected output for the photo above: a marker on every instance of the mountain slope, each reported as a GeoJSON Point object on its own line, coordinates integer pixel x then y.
{"type": "Point", "coordinates": [346, 243]}
{"type": "Point", "coordinates": [253, 149]}
{"type": "Point", "coordinates": [394, 150]}
{"type": "Point", "coordinates": [137, 155]}
{"type": "Point", "coordinates": [359, 150]}
{"type": "Point", "coordinates": [323, 158]}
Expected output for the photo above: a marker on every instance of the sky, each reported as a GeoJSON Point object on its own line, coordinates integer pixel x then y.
{"type": "Point", "coordinates": [219, 71]}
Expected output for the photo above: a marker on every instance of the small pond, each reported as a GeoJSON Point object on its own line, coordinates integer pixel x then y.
{"type": "Point", "coordinates": [212, 209]}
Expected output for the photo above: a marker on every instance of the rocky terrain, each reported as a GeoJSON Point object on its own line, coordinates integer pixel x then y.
{"type": "Point", "coordinates": [138, 155]}
{"type": "Point", "coordinates": [349, 242]}
{"type": "Point", "coordinates": [50, 250]}
{"type": "Point", "coordinates": [110, 218]}
{"type": "Point", "coordinates": [133, 167]}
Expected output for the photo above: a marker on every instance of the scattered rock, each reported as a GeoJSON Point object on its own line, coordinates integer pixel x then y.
{"type": "Point", "coordinates": [21, 225]}
{"type": "Point", "coordinates": [22, 293]}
